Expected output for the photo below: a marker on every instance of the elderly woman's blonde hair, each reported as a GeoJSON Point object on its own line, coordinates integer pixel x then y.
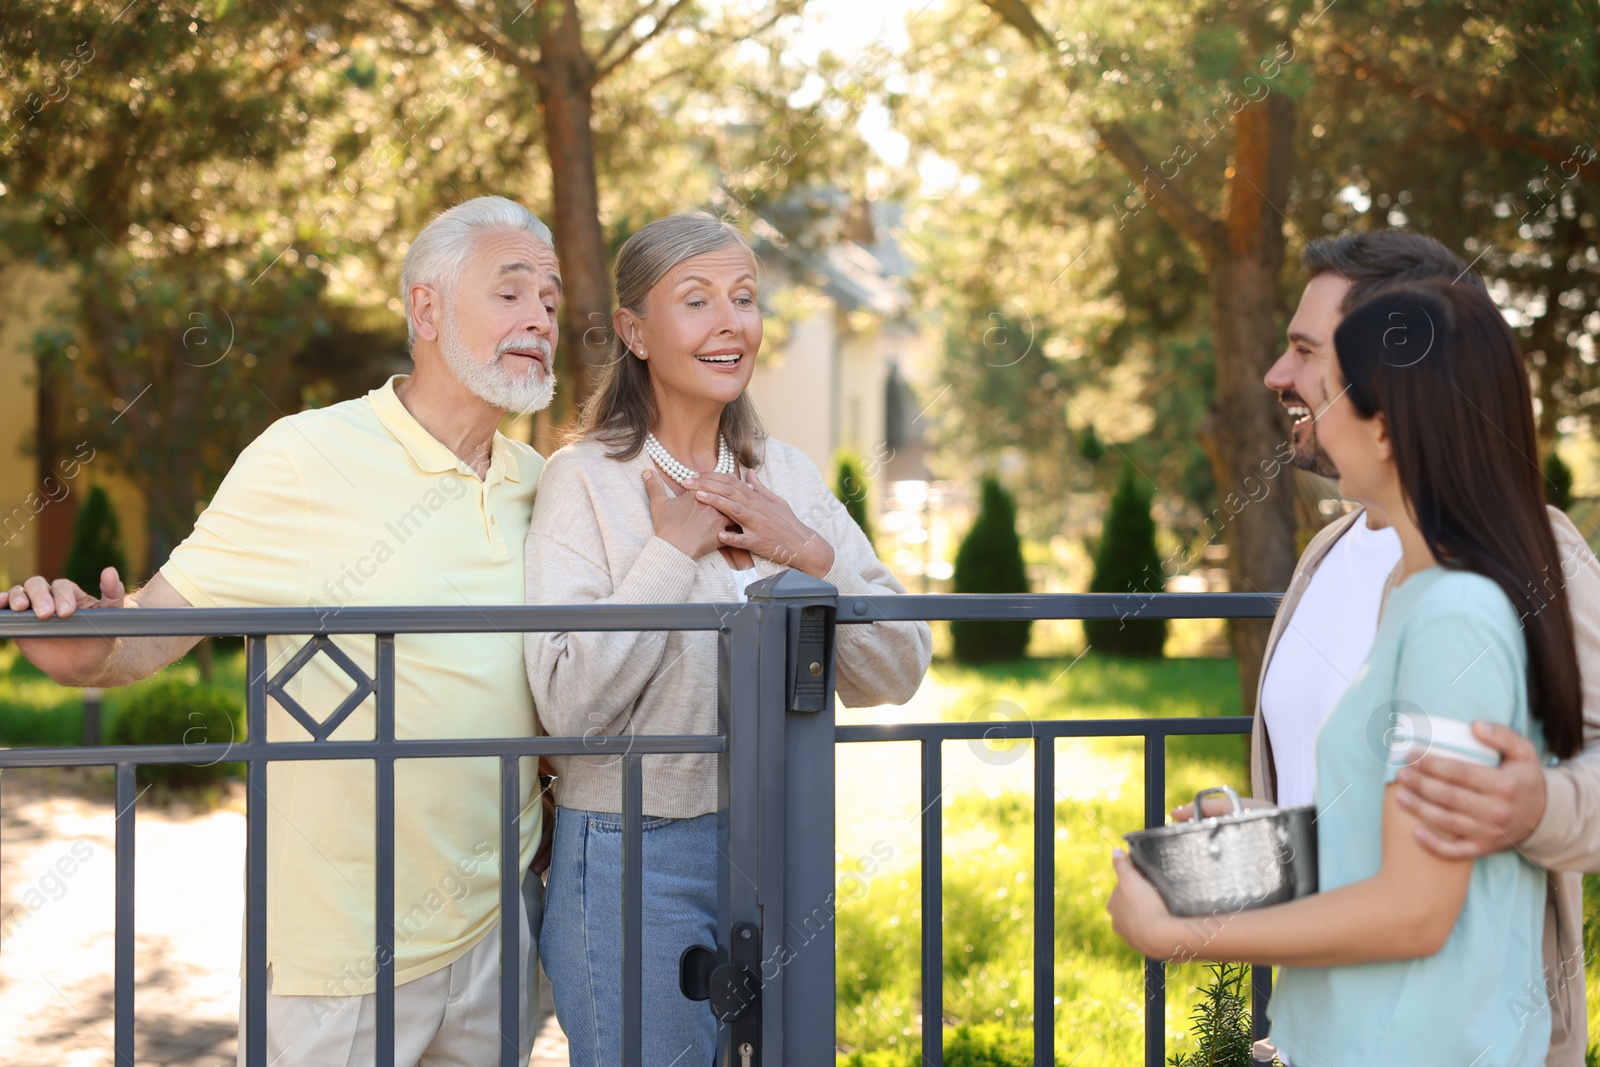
{"type": "Point", "coordinates": [623, 409]}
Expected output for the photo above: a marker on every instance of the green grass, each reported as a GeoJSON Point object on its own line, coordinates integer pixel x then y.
{"type": "Point", "coordinates": [988, 880]}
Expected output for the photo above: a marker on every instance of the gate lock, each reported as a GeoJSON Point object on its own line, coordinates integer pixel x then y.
{"type": "Point", "coordinates": [733, 986]}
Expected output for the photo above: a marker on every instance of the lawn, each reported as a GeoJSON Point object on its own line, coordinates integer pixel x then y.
{"type": "Point", "coordinates": [988, 846]}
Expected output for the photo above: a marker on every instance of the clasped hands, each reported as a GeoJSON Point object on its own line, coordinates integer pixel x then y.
{"type": "Point", "coordinates": [721, 511]}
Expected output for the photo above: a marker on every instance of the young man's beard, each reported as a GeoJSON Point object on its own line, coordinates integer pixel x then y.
{"type": "Point", "coordinates": [1309, 456]}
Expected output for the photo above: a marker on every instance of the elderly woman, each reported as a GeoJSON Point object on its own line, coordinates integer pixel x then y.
{"type": "Point", "coordinates": [639, 509]}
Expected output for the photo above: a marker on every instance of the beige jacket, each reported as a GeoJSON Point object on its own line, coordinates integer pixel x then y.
{"type": "Point", "coordinates": [592, 542]}
{"type": "Point", "coordinates": [1567, 840]}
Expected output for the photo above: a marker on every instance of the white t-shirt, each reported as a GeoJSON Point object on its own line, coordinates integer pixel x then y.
{"type": "Point", "coordinates": [1322, 646]}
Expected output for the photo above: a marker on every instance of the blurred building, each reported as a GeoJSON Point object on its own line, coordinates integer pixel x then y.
{"type": "Point", "coordinates": [839, 378]}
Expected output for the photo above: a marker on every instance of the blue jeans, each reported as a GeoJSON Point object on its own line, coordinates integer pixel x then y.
{"type": "Point", "coordinates": [581, 941]}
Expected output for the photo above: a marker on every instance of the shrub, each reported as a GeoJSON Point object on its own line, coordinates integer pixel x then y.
{"type": "Point", "coordinates": [1221, 1021]}
{"type": "Point", "coordinates": [1126, 561]}
{"type": "Point", "coordinates": [172, 711]}
{"type": "Point", "coordinates": [990, 561]}
{"type": "Point", "coordinates": [850, 486]}
{"type": "Point", "coordinates": [96, 542]}
{"type": "Point", "coordinates": [1557, 482]}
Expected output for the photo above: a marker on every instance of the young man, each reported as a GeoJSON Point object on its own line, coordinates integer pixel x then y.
{"type": "Point", "coordinates": [1328, 620]}
{"type": "Point", "coordinates": [408, 495]}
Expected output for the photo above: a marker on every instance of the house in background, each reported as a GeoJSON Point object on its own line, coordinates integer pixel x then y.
{"type": "Point", "coordinates": [40, 489]}
{"type": "Point", "coordinates": [841, 380]}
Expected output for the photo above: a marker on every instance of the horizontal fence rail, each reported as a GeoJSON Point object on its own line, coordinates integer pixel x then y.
{"type": "Point", "coordinates": [776, 795]}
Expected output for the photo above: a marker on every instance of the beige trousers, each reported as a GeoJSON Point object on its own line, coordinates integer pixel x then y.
{"type": "Point", "coordinates": [450, 1018]}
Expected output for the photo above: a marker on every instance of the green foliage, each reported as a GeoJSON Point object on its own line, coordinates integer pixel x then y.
{"type": "Point", "coordinates": [1221, 1020]}
{"type": "Point", "coordinates": [176, 711]}
{"type": "Point", "coordinates": [850, 486]}
{"type": "Point", "coordinates": [983, 1045]}
{"type": "Point", "coordinates": [1126, 561]}
{"type": "Point", "coordinates": [96, 542]}
{"type": "Point", "coordinates": [1557, 482]}
{"type": "Point", "coordinates": [988, 865]}
{"type": "Point", "coordinates": [990, 561]}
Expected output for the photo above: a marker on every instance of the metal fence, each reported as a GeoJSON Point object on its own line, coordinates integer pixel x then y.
{"type": "Point", "coordinates": [776, 735]}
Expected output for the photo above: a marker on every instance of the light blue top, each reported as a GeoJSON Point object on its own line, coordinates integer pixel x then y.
{"type": "Point", "coordinates": [1449, 644]}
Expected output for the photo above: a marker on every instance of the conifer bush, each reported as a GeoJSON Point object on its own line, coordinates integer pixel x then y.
{"type": "Point", "coordinates": [96, 542]}
{"type": "Point", "coordinates": [1126, 561]}
{"type": "Point", "coordinates": [850, 486]}
{"type": "Point", "coordinates": [990, 561]}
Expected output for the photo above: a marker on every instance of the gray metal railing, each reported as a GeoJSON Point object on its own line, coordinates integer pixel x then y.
{"type": "Point", "coordinates": [776, 736]}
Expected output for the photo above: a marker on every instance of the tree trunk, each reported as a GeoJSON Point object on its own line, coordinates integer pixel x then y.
{"type": "Point", "coordinates": [567, 99]}
{"type": "Point", "coordinates": [1245, 429]}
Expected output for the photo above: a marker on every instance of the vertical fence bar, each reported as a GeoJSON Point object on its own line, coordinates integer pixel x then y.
{"type": "Point", "coordinates": [932, 904]}
{"type": "Point", "coordinates": [510, 911]}
{"type": "Point", "coordinates": [384, 875]}
{"type": "Point", "coordinates": [1155, 975]}
{"type": "Point", "coordinates": [255, 881]}
{"type": "Point", "coordinates": [122, 990]}
{"type": "Point", "coordinates": [1044, 901]}
{"type": "Point", "coordinates": [739, 694]}
{"type": "Point", "coordinates": [1260, 997]}
{"type": "Point", "coordinates": [632, 913]}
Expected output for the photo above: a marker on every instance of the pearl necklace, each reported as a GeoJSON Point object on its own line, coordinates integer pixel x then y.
{"type": "Point", "coordinates": [677, 471]}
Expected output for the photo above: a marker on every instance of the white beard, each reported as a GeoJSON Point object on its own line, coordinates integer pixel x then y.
{"type": "Point", "coordinates": [492, 382]}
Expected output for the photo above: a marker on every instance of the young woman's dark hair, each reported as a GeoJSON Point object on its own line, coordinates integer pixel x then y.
{"type": "Point", "coordinates": [1444, 369]}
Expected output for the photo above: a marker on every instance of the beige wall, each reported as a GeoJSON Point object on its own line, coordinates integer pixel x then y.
{"type": "Point", "coordinates": [24, 293]}
{"type": "Point", "coordinates": [793, 388]}
{"type": "Point", "coordinates": [27, 293]}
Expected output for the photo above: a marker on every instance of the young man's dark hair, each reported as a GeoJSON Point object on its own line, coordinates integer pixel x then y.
{"type": "Point", "coordinates": [1374, 260]}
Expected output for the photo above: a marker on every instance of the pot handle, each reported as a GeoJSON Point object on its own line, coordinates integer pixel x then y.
{"type": "Point", "coordinates": [1218, 790]}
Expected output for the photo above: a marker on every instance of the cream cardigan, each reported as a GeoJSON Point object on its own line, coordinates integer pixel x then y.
{"type": "Point", "coordinates": [592, 542]}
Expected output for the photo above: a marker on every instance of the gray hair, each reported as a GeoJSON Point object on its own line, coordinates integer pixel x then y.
{"type": "Point", "coordinates": [622, 409]}
{"type": "Point", "coordinates": [440, 252]}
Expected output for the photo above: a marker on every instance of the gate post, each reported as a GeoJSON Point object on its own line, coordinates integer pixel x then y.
{"type": "Point", "coordinates": [797, 820]}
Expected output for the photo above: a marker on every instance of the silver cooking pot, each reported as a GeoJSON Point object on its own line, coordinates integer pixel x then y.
{"type": "Point", "coordinates": [1248, 858]}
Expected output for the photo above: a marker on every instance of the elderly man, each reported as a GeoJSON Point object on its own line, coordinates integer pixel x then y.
{"type": "Point", "coordinates": [1328, 621]}
{"type": "Point", "coordinates": [408, 495]}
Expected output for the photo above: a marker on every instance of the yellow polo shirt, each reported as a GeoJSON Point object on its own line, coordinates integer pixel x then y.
{"type": "Point", "coordinates": [358, 505]}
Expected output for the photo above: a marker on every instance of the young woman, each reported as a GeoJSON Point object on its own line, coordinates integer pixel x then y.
{"type": "Point", "coordinates": [1404, 957]}
{"type": "Point", "coordinates": [671, 493]}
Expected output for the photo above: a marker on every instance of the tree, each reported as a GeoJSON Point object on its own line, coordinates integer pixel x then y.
{"type": "Point", "coordinates": [1214, 94]}
{"type": "Point", "coordinates": [850, 486]}
{"type": "Point", "coordinates": [133, 132]}
{"type": "Point", "coordinates": [1126, 561]}
{"type": "Point", "coordinates": [1265, 126]}
{"type": "Point", "coordinates": [96, 542]}
{"type": "Point", "coordinates": [256, 173]}
{"type": "Point", "coordinates": [562, 55]}
{"type": "Point", "coordinates": [989, 560]}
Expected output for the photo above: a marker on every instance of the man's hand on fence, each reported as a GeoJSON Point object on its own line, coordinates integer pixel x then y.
{"type": "Point", "coordinates": [98, 661]}
{"type": "Point", "coordinates": [64, 598]}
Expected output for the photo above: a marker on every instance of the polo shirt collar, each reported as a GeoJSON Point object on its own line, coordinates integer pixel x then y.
{"type": "Point", "coordinates": [426, 450]}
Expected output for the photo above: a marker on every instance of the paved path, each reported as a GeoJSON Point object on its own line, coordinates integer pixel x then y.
{"type": "Point", "coordinates": [57, 912]}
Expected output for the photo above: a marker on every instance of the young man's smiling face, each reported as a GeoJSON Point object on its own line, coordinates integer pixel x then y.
{"type": "Point", "coordinates": [1301, 374]}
